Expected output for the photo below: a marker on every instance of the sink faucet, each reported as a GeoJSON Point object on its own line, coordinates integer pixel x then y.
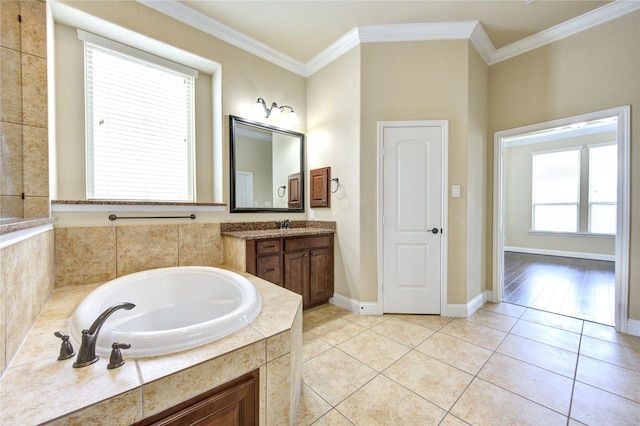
{"type": "Point", "coordinates": [87, 352]}
{"type": "Point", "coordinates": [285, 224]}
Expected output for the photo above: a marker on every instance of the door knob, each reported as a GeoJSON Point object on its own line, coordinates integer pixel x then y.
{"type": "Point", "coordinates": [435, 230]}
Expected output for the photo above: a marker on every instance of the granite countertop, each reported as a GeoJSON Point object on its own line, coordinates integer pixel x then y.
{"type": "Point", "coordinates": [264, 230]}
{"type": "Point", "coordinates": [37, 388]}
{"type": "Point", "coordinates": [262, 234]}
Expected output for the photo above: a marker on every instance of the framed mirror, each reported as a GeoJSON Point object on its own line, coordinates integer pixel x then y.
{"type": "Point", "coordinates": [267, 168]}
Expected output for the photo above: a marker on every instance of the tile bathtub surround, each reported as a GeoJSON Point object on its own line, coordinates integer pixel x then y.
{"type": "Point", "coordinates": [98, 254]}
{"type": "Point", "coordinates": [26, 281]}
{"type": "Point", "coordinates": [37, 388]}
{"type": "Point", "coordinates": [506, 364]}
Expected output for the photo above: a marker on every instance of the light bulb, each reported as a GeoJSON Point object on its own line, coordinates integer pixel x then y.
{"type": "Point", "coordinates": [293, 118]}
{"type": "Point", "coordinates": [275, 112]}
{"type": "Point", "coordinates": [259, 109]}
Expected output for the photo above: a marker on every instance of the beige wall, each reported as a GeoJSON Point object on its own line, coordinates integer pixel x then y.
{"type": "Point", "coordinates": [590, 71]}
{"type": "Point", "coordinates": [333, 139]}
{"type": "Point", "coordinates": [518, 196]}
{"type": "Point", "coordinates": [415, 81]}
{"type": "Point", "coordinates": [478, 269]}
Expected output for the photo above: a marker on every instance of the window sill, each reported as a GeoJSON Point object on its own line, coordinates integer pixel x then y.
{"type": "Point", "coordinates": [129, 206]}
{"type": "Point", "coordinates": [571, 234]}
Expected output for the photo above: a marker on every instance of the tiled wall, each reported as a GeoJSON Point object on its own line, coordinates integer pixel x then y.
{"type": "Point", "coordinates": [24, 161]}
{"type": "Point", "coordinates": [26, 281]}
{"type": "Point", "coordinates": [98, 254]}
{"type": "Point", "coordinates": [26, 268]}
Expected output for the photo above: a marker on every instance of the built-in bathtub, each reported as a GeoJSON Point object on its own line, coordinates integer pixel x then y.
{"type": "Point", "coordinates": [176, 308]}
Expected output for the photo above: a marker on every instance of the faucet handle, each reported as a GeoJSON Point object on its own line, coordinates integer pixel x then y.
{"type": "Point", "coordinates": [66, 349]}
{"type": "Point", "coordinates": [115, 360]}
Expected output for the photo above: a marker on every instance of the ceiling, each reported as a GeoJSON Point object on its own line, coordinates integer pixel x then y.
{"type": "Point", "coordinates": [301, 30]}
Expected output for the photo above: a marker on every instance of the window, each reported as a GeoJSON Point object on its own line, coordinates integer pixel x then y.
{"type": "Point", "coordinates": [603, 185]}
{"type": "Point", "coordinates": [139, 124]}
{"type": "Point", "coordinates": [556, 191]}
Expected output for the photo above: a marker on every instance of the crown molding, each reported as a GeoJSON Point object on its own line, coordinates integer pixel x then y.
{"type": "Point", "coordinates": [333, 52]}
{"type": "Point", "coordinates": [430, 31]}
{"type": "Point", "coordinates": [417, 32]}
{"type": "Point", "coordinates": [470, 30]}
{"type": "Point", "coordinates": [197, 20]}
{"type": "Point", "coordinates": [566, 29]}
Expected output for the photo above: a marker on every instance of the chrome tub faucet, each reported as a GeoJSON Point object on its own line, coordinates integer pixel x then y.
{"type": "Point", "coordinates": [87, 352]}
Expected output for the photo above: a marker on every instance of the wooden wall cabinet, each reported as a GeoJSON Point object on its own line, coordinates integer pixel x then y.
{"type": "Point", "coordinates": [319, 180]}
{"type": "Point", "coordinates": [293, 200]}
{"type": "Point", "coordinates": [303, 265]}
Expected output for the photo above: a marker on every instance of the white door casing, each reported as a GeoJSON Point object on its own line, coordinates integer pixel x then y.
{"type": "Point", "coordinates": [623, 115]}
{"type": "Point", "coordinates": [411, 216]}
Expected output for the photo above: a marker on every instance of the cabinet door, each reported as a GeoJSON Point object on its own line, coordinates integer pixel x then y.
{"type": "Point", "coordinates": [268, 268]}
{"type": "Point", "coordinates": [320, 275]}
{"type": "Point", "coordinates": [294, 190]}
{"type": "Point", "coordinates": [296, 273]}
{"type": "Point", "coordinates": [235, 403]}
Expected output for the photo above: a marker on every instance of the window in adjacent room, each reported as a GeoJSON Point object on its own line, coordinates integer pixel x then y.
{"type": "Point", "coordinates": [556, 191]}
{"type": "Point", "coordinates": [139, 124]}
{"type": "Point", "coordinates": [603, 174]}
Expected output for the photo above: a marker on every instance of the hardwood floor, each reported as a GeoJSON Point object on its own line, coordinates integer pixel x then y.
{"type": "Point", "coordinates": [578, 288]}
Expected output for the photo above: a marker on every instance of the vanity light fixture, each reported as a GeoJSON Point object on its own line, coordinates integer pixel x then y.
{"type": "Point", "coordinates": [275, 111]}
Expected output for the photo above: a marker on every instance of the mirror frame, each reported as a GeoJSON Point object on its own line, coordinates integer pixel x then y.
{"type": "Point", "coordinates": [233, 122]}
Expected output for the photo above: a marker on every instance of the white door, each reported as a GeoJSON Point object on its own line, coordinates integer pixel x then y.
{"type": "Point", "coordinates": [412, 217]}
{"type": "Point", "coordinates": [244, 189]}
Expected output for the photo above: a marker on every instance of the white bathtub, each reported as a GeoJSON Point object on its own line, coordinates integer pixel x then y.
{"type": "Point", "coordinates": [176, 309]}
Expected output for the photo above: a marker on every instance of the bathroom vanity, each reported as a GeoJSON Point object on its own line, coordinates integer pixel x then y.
{"type": "Point", "coordinates": [298, 259]}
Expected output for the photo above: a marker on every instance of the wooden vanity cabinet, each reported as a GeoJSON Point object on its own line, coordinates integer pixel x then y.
{"type": "Point", "coordinates": [303, 265]}
{"type": "Point", "coordinates": [232, 404]}
{"type": "Point", "coordinates": [264, 259]}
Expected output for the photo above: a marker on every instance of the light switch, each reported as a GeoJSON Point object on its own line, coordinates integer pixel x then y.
{"type": "Point", "coordinates": [455, 191]}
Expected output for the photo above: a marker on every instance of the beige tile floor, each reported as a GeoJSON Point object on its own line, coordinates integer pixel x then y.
{"type": "Point", "coordinates": [505, 365]}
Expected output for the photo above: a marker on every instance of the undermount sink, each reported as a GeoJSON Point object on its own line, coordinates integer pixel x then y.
{"type": "Point", "coordinates": [176, 308]}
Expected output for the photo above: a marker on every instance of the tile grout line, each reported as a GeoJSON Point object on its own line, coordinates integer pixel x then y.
{"type": "Point", "coordinates": [413, 348]}
{"type": "Point", "coordinates": [575, 375]}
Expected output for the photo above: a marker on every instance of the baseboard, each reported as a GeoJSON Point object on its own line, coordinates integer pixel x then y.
{"type": "Point", "coordinates": [451, 310]}
{"type": "Point", "coordinates": [633, 327]}
{"type": "Point", "coordinates": [560, 253]}
{"type": "Point", "coordinates": [468, 309]}
{"type": "Point", "coordinates": [354, 306]}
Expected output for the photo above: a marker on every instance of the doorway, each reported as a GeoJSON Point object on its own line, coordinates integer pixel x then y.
{"type": "Point", "coordinates": [564, 225]}
{"type": "Point", "coordinates": [411, 218]}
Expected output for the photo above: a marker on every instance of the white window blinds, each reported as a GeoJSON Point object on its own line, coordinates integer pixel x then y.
{"type": "Point", "coordinates": [139, 125]}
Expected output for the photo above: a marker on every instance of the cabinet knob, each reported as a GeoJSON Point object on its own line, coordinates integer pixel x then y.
{"type": "Point", "coordinates": [268, 270]}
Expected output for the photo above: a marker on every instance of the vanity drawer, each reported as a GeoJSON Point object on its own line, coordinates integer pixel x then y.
{"type": "Point", "coordinates": [291, 244]}
{"type": "Point", "coordinates": [267, 246]}
{"type": "Point", "coordinates": [268, 268]}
